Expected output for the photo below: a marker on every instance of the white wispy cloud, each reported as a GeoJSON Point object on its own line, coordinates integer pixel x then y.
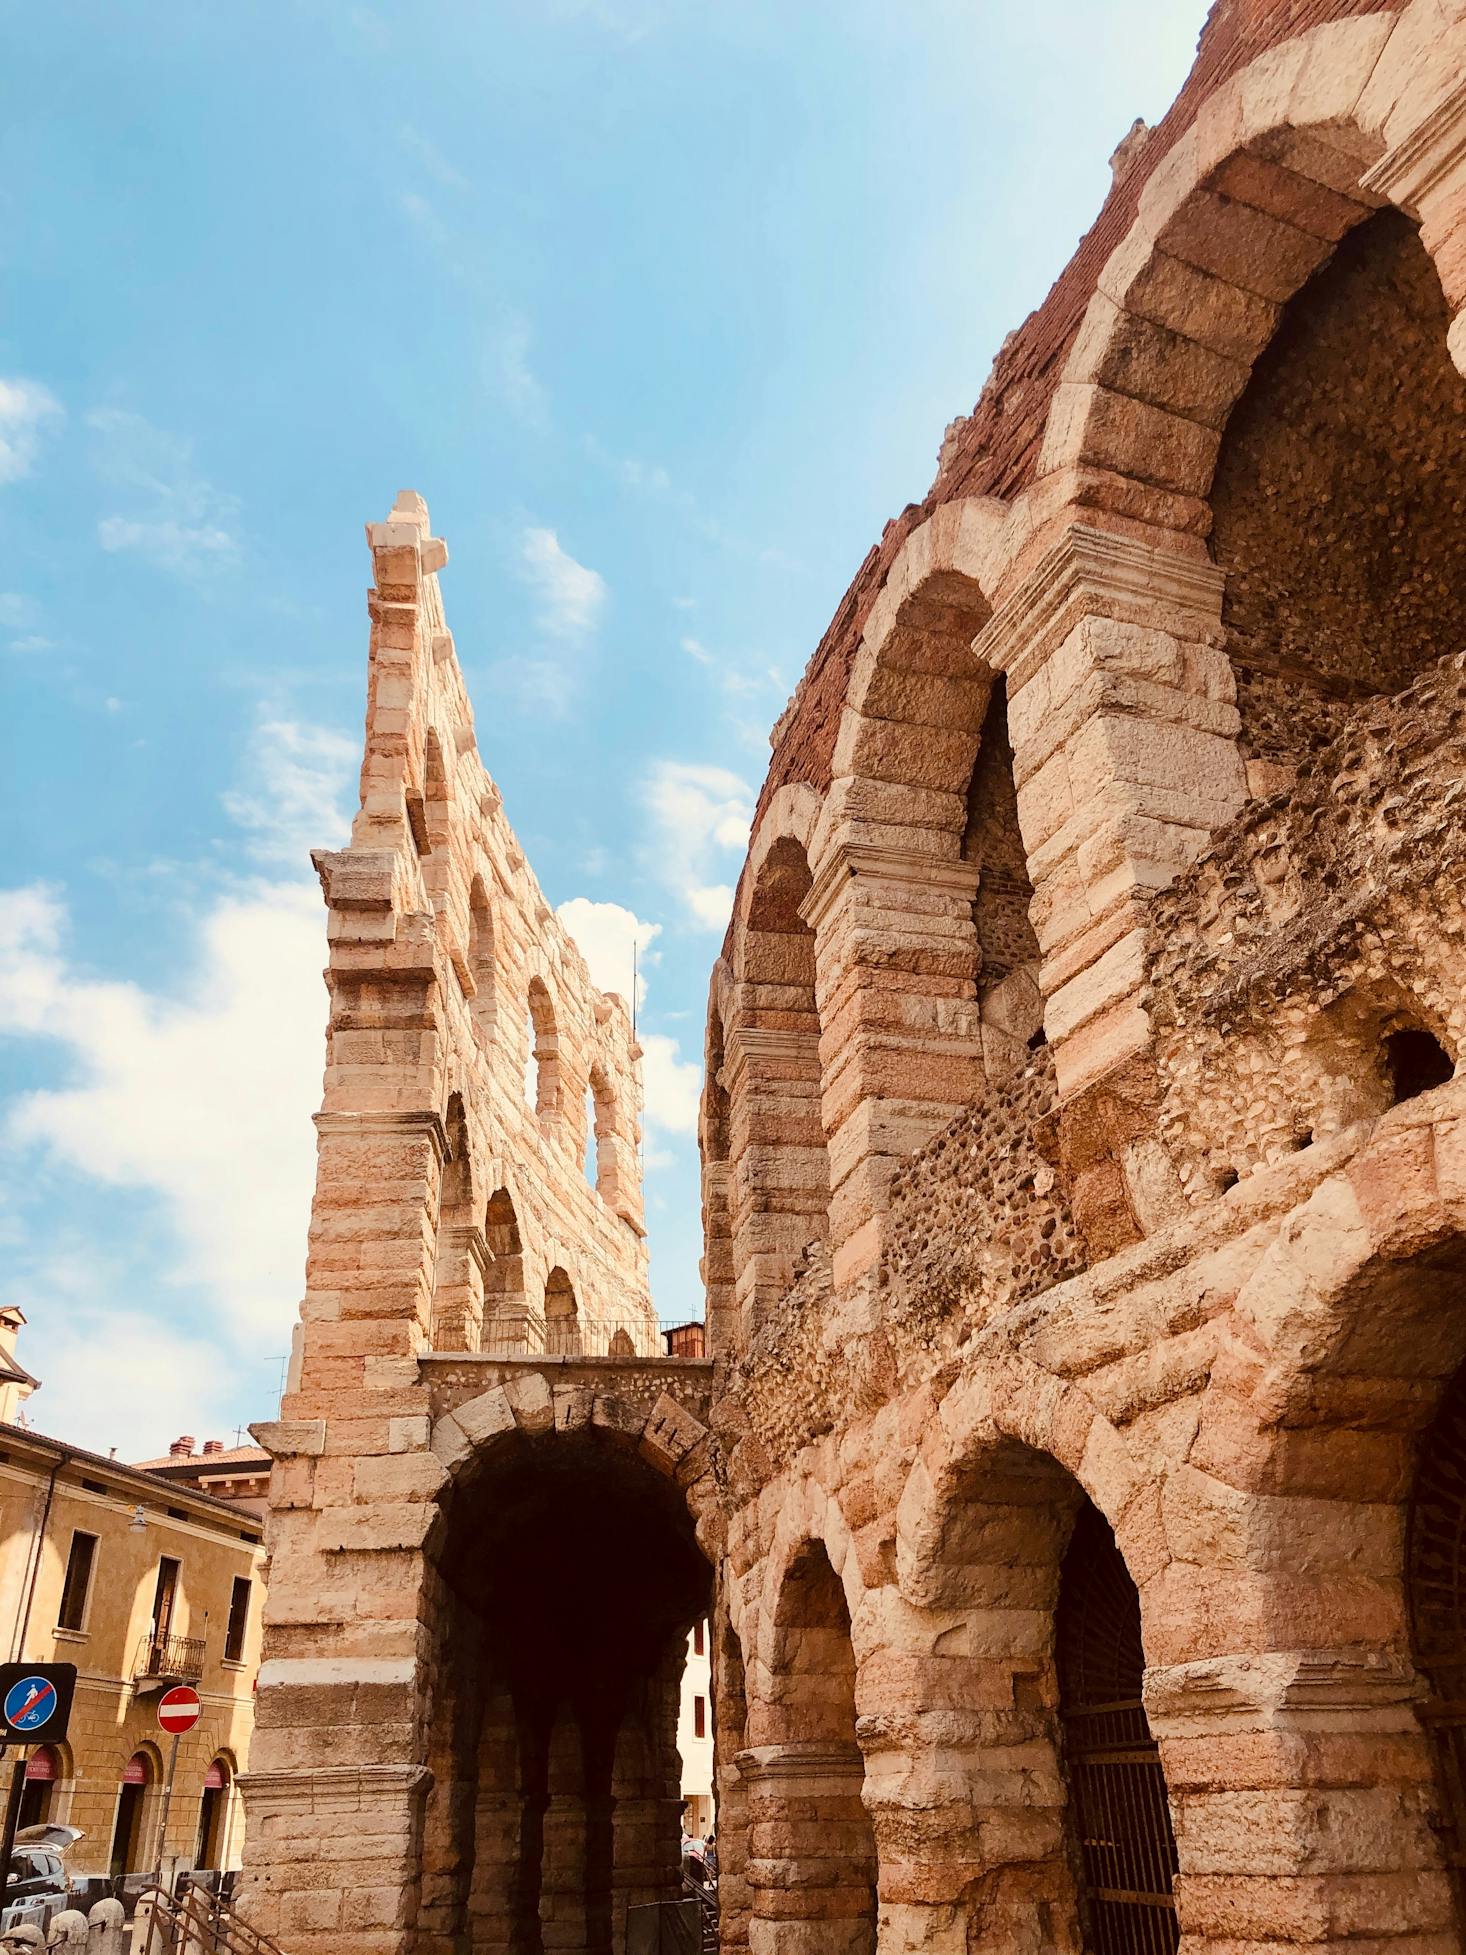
{"type": "Point", "coordinates": [292, 797]}
{"type": "Point", "coordinates": [26, 409]}
{"type": "Point", "coordinates": [197, 1097]}
{"type": "Point", "coordinates": [612, 939]}
{"type": "Point", "coordinates": [672, 1085]}
{"type": "Point", "coordinates": [512, 375]}
{"type": "Point", "coordinates": [695, 648]}
{"type": "Point", "coordinates": [432, 159]}
{"type": "Point", "coordinates": [570, 597]}
{"type": "Point", "coordinates": [178, 519]}
{"type": "Point", "coordinates": [201, 1097]}
{"type": "Point", "coordinates": [700, 817]}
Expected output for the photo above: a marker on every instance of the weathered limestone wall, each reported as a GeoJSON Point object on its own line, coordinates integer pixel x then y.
{"type": "Point", "coordinates": [1130, 1339]}
{"type": "Point", "coordinates": [454, 1221]}
{"type": "Point", "coordinates": [1084, 1173]}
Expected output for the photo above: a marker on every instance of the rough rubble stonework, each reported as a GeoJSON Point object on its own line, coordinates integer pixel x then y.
{"type": "Point", "coordinates": [1079, 1480]}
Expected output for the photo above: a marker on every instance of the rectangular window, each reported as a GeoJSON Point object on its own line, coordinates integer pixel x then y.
{"type": "Point", "coordinates": [164, 1597]}
{"type": "Point", "coordinates": [238, 1619]}
{"type": "Point", "coordinates": [698, 1638]}
{"type": "Point", "coordinates": [77, 1586]}
{"type": "Point", "coordinates": [699, 1717]}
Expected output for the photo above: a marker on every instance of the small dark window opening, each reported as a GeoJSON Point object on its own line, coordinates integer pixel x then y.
{"type": "Point", "coordinates": [1416, 1062]}
{"type": "Point", "coordinates": [74, 1589]}
{"type": "Point", "coordinates": [238, 1619]}
{"type": "Point", "coordinates": [698, 1639]}
{"type": "Point", "coordinates": [699, 1717]}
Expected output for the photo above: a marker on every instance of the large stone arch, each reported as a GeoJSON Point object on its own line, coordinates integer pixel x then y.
{"type": "Point", "coordinates": [1280, 163]}
{"type": "Point", "coordinates": [562, 1576]}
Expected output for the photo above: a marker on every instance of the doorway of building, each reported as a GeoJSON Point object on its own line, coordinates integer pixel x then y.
{"type": "Point", "coordinates": [127, 1829]}
{"type": "Point", "coordinates": [213, 1817]}
{"type": "Point", "coordinates": [42, 1772]}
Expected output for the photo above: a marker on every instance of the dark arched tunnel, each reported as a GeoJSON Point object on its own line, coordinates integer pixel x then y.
{"type": "Point", "coordinates": [567, 1582]}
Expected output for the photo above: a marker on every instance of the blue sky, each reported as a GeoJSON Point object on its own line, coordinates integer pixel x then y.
{"type": "Point", "coordinates": [663, 305]}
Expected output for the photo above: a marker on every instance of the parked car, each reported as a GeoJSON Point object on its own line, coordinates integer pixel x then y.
{"type": "Point", "coordinates": [37, 1884]}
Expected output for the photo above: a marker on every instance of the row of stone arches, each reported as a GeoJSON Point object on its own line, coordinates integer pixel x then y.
{"type": "Point", "coordinates": [484, 1297]}
{"type": "Point", "coordinates": [883, 964]}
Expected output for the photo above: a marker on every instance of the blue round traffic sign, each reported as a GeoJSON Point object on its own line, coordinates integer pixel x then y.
{"type": "Point", "coordinates": [30, 1703]}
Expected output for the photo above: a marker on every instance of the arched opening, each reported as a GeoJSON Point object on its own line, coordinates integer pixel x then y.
{"type": "Point", "coordinates": [569, 1578]}
{"type": "Point", "coordinates": [506, 1306]}
{"type": "Point", "coordinates": [1010, 1003]}
{"type": "Point", "coordinates": [542, 1071]}
{"type": "Point", "coordinates": [781, 1167]}
{"type": "Point", "coordinates": [45, 1774]}
{"type": "Point", "coordinates": [1435, 1558]}
{"type": "Point", "coordinates": [1337, 499]}
{"type": "Point", "coordinates": [1004, 1559]}
{"type": "Point", "coordinates": [132, 1821]}
{"type": "Point", "coordinates": [601, 1166]}
{"type": "Point", "coordinates": [212, 1844]}
{"type": "Point", "coordinates": [562, 1316]}
{"type": "Point", "coordinates": [481, 958]}
{"type": "Point", "coordinates": [458, 1288]}
{"type": "Point", "coordinates": [1119, 1811]}
{"type": "Point", "coordinates": [807, 1786]}
{"type": "Point", "coordinates": [622, 1345]}
{"type": "Point", "coordinates": [1415, 1062]}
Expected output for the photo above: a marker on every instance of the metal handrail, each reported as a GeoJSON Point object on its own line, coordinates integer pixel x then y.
{"type": "Point", "coordinates": [196, 1923]}
{"type": "Point", "coordinates": [170, 1656]}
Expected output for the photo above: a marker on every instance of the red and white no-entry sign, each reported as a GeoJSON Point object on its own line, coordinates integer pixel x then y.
{"type": "Point", "coordinates": [178, 1708]}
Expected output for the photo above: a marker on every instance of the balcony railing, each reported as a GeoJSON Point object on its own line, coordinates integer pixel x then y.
{"type": "Point", "coordinates": [178, 1658]}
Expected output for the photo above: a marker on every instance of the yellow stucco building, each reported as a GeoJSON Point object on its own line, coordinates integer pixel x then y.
{"type": "Point", "coordinates": [142, 1580]}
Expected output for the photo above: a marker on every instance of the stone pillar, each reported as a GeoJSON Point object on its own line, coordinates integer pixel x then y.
{"type": "Point", "coordinates": [779, 1170]}
{"type": "Point", "coordinates": [498, 1805]}
{"type": "Point", "coordinates": [458, 1311]}
{"type": "Point", "coordinates": [1424, 172]}
{"type": "Point", "coordinates": [1120, 707]}
{"type": "Point", "coordinates": [900, 1040]}
{"type": "Point", "coordinates": [1302, 1795]}
{"type": "Point", "coordinates": [811, 1868]}
{"type": "Point", "coordinates": [720, 1314]}
{"type": "Point", "coordinates": [563, 1853]}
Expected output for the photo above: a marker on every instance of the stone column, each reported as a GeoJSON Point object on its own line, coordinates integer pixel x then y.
{"type": "Point", "coordinates": [1123, 722]}
{"type": "Point", "coordinates": [900, 1039]}
{"type": "Point", "coordinates": [717, 1257]}
{"type": "Point", "coordinates": [779, 1171]}
{"type": "Point", "coordinates": [1424, 172]}
{"type": "Point", "coordinates": [811, 1868]}
{"type": "Point", "coordinates": [1302, 1795]}
{"type": "Point", "coordinates": [563, 1853]}
{"type": "Point", "coordinates": [458, 1311]}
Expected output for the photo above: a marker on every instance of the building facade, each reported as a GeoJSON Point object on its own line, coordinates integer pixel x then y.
{"type": "Point", "coordinates": [1077, 1480]}
{"type": "Point", "coordinates": [141, 1584]}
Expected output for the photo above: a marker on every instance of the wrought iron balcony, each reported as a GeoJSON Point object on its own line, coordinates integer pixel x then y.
{"type": "Point", "coordinates": [174, 1659]}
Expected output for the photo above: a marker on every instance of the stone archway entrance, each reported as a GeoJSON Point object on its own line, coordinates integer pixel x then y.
{"type": "Point", "coordinates": [567, 1579]}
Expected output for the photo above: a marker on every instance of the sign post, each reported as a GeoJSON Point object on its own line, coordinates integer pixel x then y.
{"type": "Point", "coordinates": [35, 1704]}
{"type": "Point", "coordinates": [178, 1711]}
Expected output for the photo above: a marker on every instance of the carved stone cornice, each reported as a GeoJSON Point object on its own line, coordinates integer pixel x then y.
{"type": "Point", "coordinates": [748, 1045]}
{"type": "Point", "coordinates": [856, 861]}
{"type": "Point", "coordinates": [338, 1788]}
{"type": "Point", "coordinates": [387, 1120]}
{"type": "Point", "coordinates": [470, 1238]}
{"type": "Point", "coordinates": [763, 1764]}
{"type": "Point", "coordinates": [1422, 161]}
{"type": "Point", "coordinates": [1087, 570]}
{"type": "Point", "coordinates": [1278, 1687]}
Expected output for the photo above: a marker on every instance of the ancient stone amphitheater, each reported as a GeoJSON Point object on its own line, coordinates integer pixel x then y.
{"type": "Point", "coordinates": [1078, 1477]}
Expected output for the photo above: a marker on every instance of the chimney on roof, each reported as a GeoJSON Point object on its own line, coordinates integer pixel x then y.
{"type": "Point", "coordinates": [213, 1446]}
{"type": "Point", "coordinates": [182, 1448]}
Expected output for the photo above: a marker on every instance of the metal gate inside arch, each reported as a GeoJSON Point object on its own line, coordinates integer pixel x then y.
{"type": "Point", "coordinates": [1437, 1590]}
{"type": "Point", "coordinates": [1121, 1817]}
